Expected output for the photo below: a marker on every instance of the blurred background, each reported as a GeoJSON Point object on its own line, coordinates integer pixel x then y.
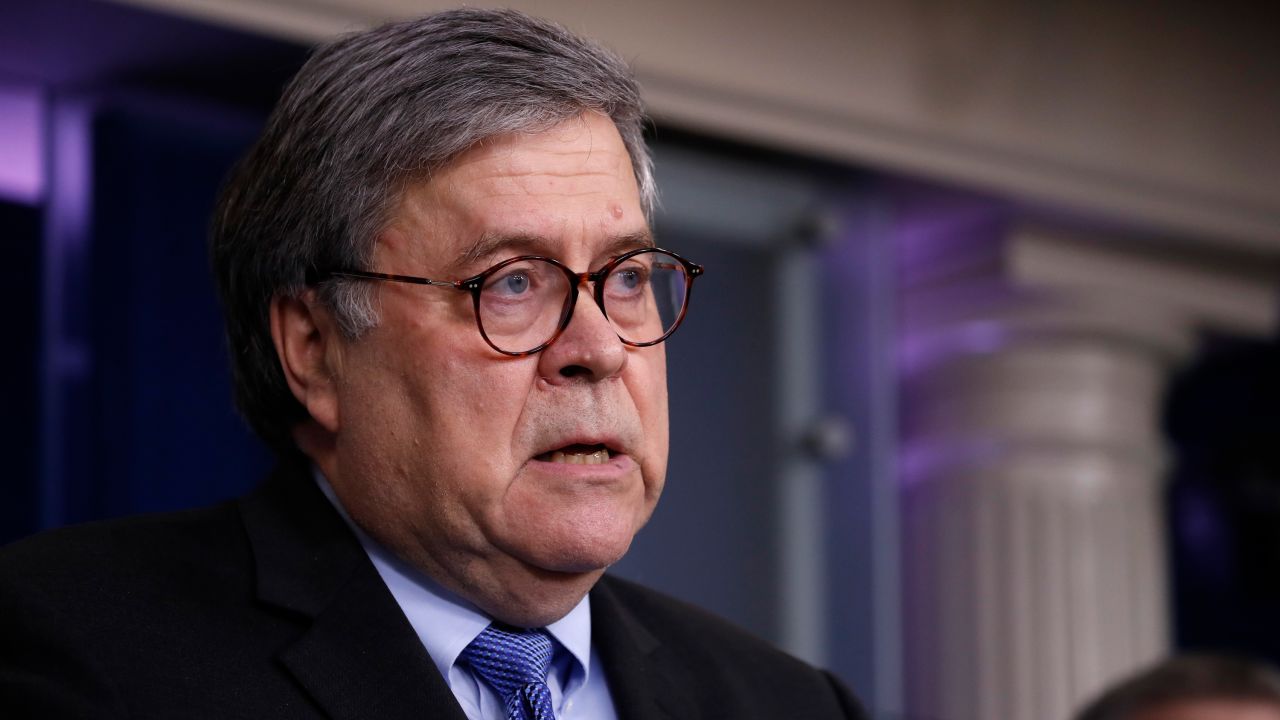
{"type": "Point", "coordinates": [977, 404]}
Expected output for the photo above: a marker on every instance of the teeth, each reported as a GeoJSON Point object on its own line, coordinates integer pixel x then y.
{"type": "Point", "coordinates": [599, 457]}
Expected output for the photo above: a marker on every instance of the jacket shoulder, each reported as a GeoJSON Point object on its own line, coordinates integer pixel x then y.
{"type": "Point", "coordinates": [84, 608]}
{"type": "Point", "coordinates": [189, 543]}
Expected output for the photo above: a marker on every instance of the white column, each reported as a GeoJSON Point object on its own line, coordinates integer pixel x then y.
{"type": "Point", "coordinates": [1033, 464]}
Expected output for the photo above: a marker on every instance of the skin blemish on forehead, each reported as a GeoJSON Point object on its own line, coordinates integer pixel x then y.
{"type": "Point", "coordinates": [616, 211]}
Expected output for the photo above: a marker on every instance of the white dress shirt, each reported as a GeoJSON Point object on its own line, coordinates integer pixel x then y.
{"type": "Point", "coordinates": [446, 624]}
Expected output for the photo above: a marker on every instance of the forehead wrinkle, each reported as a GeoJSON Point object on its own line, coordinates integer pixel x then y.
{"type": "Point", "coordinates": [510, 159]}
{"type": "Point", "coordinates": [560, 173]}
{"type": "Point", "coordinates": [557, 193]}
{"type": "Point", "coordinates": [588, 162]}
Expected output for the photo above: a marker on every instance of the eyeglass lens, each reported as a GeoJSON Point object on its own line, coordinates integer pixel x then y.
{"type": "Point", "coordinates": [522, 305]}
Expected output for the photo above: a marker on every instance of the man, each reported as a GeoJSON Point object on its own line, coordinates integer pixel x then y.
{"type": "Point", "coordinates": [445, 311]}
{"type": "Point", "coordinates": [1193, 687]}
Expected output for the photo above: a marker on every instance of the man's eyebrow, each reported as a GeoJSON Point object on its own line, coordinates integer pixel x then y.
{"type": "Point", "coordinates": [630, 241]}
{"type": "Point", "coordinates": [491, 244]}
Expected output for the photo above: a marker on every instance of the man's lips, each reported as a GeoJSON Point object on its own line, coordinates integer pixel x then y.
{"type": "Point", "coordinates": [589, 459]}
{"type": "Point", "coordinates": [578, 454]}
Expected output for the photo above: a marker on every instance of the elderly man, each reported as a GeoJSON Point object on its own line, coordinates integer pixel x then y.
{"type": "Point", "coordinates": [1193, 687]}
{"type": "Point", "coordinates": [445, 311]}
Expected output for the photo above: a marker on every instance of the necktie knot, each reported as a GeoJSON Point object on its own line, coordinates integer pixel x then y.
{"type": "Point", "coordinates": [514, 663]}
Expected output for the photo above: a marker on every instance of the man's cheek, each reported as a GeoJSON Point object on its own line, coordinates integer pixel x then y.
{"type": "Point", "coordinates": [652, 394]}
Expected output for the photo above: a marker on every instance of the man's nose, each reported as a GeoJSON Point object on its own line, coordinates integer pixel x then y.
{"type": "Point", "coordinates": [589, 348]}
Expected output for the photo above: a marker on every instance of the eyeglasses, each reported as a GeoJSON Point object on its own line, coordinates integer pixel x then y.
{"type": "Point", "coordinates": [523, 303]}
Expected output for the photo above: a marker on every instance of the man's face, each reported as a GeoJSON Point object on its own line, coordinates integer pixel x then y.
{"type": "Point", "coordinates": [444, 448]}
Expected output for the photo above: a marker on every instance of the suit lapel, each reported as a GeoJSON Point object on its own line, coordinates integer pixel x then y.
{"type": "Point", "coordinates": [361, 659]}
{"type": "Point", "coordinates": [358, 656]}
{"type": "Point", "coordinates": [640, 682]}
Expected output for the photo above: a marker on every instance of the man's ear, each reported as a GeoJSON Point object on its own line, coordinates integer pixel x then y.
{"type": "Point", "coordinates": [308, 345]}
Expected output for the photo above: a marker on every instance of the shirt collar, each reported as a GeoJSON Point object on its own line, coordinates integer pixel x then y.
{"type": "Point", "coordinates": [446, 623]}
{"type": "Point", "coordinates": [573, 632]}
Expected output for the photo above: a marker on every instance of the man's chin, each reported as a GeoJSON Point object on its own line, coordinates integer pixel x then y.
{"type": "Point", "coordinates": [579, 556]}
{"type": "Point", "coordinates": [571, 538]}
{"type": "Point", "coordinates": [539, 596]}
{"type": "Point", "coordinates": [571, 567]}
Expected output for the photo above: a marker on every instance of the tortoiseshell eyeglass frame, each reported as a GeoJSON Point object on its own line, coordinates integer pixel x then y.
{"type": "Point", "coordinates": [475, 284]}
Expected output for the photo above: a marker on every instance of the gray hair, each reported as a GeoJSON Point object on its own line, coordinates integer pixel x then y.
{"type": "Point", "coordinates": [1188, 678]}
{"type": "Point", "coordinates": [368, 114]}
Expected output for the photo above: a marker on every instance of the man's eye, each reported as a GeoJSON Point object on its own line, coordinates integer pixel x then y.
{"type": "Point", "coordinates": [511, 284]}
{"type": "Point", "coordinates": [515, 283]}
{"type": "Point", "coordinates": [630, 279]}
{"type": "Point", "coordinates": [627, 280]}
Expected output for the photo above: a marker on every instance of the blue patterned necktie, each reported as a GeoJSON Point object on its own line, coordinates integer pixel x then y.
{"type": "Point", "coordinates": [514, 663]}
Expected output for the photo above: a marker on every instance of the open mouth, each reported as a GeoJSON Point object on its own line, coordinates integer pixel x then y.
{"type": "Point", "coordinates": [578, 455]}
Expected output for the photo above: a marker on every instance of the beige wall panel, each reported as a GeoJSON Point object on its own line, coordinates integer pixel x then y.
{"type": "Point", "coordinates": [1166, 114]}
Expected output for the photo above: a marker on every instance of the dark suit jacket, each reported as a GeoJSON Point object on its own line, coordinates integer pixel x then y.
{"type": "Point", "coordinates": [268, 608]}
